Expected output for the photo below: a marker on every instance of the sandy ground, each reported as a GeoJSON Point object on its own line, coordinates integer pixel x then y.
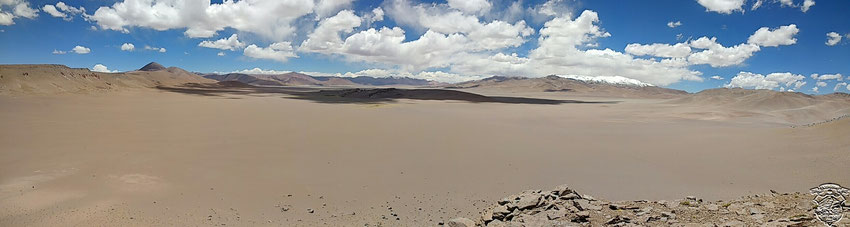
{"type": "Point", "coordinates": [141, 158]}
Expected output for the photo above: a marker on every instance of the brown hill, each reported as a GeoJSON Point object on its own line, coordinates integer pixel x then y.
{"type": "Point", "coordinates": [568, 86]}
{"type": "Point", "coordinates": [53, 79]}
{"type": "Point", "coordinates": [792, 107]}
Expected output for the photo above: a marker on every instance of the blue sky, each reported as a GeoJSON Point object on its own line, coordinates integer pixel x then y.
{"type": "Point", "coordinates": [451, 41]}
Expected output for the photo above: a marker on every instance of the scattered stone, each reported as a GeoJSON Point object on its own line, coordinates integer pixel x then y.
{"type": "Point", "coordinates": [564, 207]}
{"type": "Point", "coordinates": [461, 222]}
{"type": "Point", "coordinates": [618, 219]}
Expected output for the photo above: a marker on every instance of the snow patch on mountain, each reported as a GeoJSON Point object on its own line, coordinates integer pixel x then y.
{"type": "Point", "coordinates": [618, 80]}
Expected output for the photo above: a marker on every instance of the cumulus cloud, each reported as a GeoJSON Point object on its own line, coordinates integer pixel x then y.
{"type": "Point", "coordinates": [672, 24]}
{"type": "Point", "coordinates": [326, 37]}
{"type": "Point", "coordinates": [716, 55]}
{"type": "Point", "coordinates": [102, 68]}
{"type": "Point", "coordinates": [679, 50]}
{"type": "Point", "coordinates": [59, 52]}
{"type": "Point", "coordinates": [220, 54]}
{"type": "Point", "coordinates": [717, 77]}
{"type": "Point", "coordinates": [16, 8]}
{"type": "Point", "coordinates": [770, 82]}
{"type": "Point", "coordinates": [231, 43]}
{"type": "Point", "coordinates": [836, 76]}
{"type": "Point", "coordinates": [202, 19]}
{"type": "Point", "coordinates": [444, 20]}
{"type": "Point", "coordinates": [832, 38]}
{"type": "Point", "coordinates": [81, 50]}
{"type": "Point", "coordinates": [471, 6]}
{"type": "Point", "coordinates": [280, 51]}
{"type": "Point", "coordinates": [767, 37]}
{"type": "Point", "coordinates": [805, 6]}
{"type": "Point", "coordinates": [838, 86]}
{"type": "Point", "coordinates": [63, 10]}
{"type": "Point", "coordinates": [815, 89]}
{"type": "Point", "coordinates": [128, 47]}
{"type": "Point", "coordinates": [158, 49]}
{"type": "Point", "coordinates": [722, 6]}
{"type": "Point", "coordinates": [326, 8]}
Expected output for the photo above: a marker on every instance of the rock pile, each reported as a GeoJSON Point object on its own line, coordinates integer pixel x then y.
{"type": "Point", "coordinates": [564, 207]}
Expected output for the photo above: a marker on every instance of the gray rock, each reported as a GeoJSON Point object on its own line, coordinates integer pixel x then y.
{"type": "Point", "coordinates": [583, 204]}
{"type": "Point", "coordinates": [500, 212]}
{"type": "Point", "coordinates": [570, 196]}
{"type": "Point", "coordinates": [528, 200]}
{"type": "Point", "coordinates": [562, 190]}
{"type": "Point", "coordinates": [460, 222]}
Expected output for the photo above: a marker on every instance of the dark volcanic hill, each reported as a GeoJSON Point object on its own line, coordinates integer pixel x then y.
{"type": "Point", "coordinates": [153, 66]}
{"type": "Point", "coordinates": [569, 86]}
{"type": "Point", "coordinates": [244, 78]}
{"type": "Point", "coordinates": [300, 79]}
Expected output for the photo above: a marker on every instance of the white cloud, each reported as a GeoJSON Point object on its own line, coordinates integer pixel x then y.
{"type": "Point", "coordinates": [159, 49]}
{"type": "Point", "coordinates": [832, 38]}
{"type": "Point", "coordinates": [59, 52]}
{"type": "Point", "coordinates": [128, 47]}
{"type": "Point", "coordinates": [807, 4]}
{"type": "Point", "coordinates": [717, 77]}
{"type": "Point", "coordinates": [815, 89]}
{"type": "Point", "coordinates": [102, 68]}
{"type": "Point", "coordinates": [722, 6]}
{"type": "Point", "coordinates": [771, 81]}
{"type": "Point", "coordinates": [838, 86]}
{"type": "Point", "coordinates": [18, 8]}
{"type": "Point", "coordinates": [202, 19]}
{"type": "Point", "coordinates": [220, 54]}
{"type": "Point", "coordinates": [326, 8]}
{"type": "Point", "coordinates": [836, 76]}
{"type": "Point", "coordinates": [757, 4]}
{"type": "Point", "coordinates": [679, 50]}
{"type": "Point", "coordinates": [766, 37]}
{"type": "Point", "coordinates": [496, 34]}
{"type": "Point", "coordinates": [232, 43]}
{"type": "Point", "coordinates": [6, 18]}
{"type": "Point", "coordinates": [50, 9]}
{"type": "Point", "coordinates": [717, 55]}
{"type": "Point", "coordinates": [326, 37]}
{"type": "Point", "coordinates": [81, 50]}
{"type": "Point", "coordinates": [280, 51]}
{"type": "Point", "coordinates": [672, 24]}
{"type": "Point", "coordinates": [376, 15]}
{"type": "Point", "coordinates": [820, 84]}
{"type": "Point", "coordinates": [471, 6]}
{"type": "Point", "coordinates": [63, 10]}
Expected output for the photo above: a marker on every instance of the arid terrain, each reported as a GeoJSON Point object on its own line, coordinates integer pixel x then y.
{"type": "Point", "coordinates": [166, 147]}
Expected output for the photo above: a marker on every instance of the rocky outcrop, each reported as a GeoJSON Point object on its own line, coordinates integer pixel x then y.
{"type": "Point", "coordinates": [563, 206]}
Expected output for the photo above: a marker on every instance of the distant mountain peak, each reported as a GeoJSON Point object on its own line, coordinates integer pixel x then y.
{"type": "Point", "coordinates": [153, 66]}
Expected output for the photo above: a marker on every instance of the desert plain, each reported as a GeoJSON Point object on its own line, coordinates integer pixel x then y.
{"type": "Point", "coordinates": [195, 153]}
